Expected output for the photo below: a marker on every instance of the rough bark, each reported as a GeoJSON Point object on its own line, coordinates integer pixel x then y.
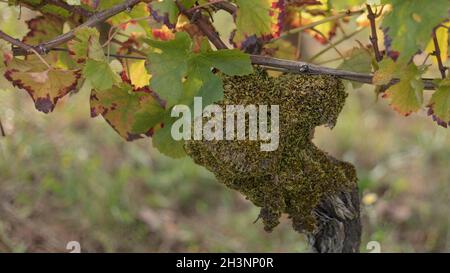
{"type": "Point", "coordinates": [339, 225]}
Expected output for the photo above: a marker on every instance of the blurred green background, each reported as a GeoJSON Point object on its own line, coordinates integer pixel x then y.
{"type": "Point", "coordinates": [66, 177]}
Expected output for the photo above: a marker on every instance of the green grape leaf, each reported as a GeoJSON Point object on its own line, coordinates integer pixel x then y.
{"type": "Point", "coordinates": [359, 60]}
{"type": "Point", "coordinates": [253, 18]}
{"type": "Point", "coordinates": [125, 19]}
{"type": "Point", "coordinates": [162, 140]}
{"type": "Point", "coordinates": [410, 24]}
{"type": "Point", "coordinates": [151, 113]}
{"type": "Point", "coordinates": [439, 106]}
{"type": "Point", "coordinates": [231, 62]}
{"type": "Point", "coordinates": [86, 45]}
{"type": "Point", "coordinates": [168, 66]}
{"type": "Point", "coordinates": [100, 75]}
{"type": "Point", "coordinates": [45, 86]}
{"type": "Point", "coordinates": [167, 9]}
{"type": "Point", "coordinates": [11, 22]}
{"type": "Point", "coordinates": [118, 106]}
{"type": "Point", "coordinates": [43, 29]}
{"type": "Point", "coordinates": [406, 96]}
{"type": "Point", "coordinates": [173, 61]}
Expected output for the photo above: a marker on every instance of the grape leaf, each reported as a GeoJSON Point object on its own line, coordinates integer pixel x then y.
{"type": "Point", "coordinates": [86, 45]}
{"type": "Point", "coordinates": [439, 106]}
{"type": "Point", "coordinates": [43, 29]}
{"type": "Point", "coordinates": [45, 87]}
{"type": "Point", "coordinates": [388, 69]}
{"type": "Point", "coordinates": [118, 107]}
{"type": "Point", "coordinates": [442, 37]}
{"type": "Point", "coordinates": [165, 11]}
{"type": "Point", "coordinates": [138, 73]}
{"type": "Point", "coordinates": [11, 22]}
{"type": "Point", "coordinates": [253, 18]}
{"type": "Point", "coordinates": [100, 74]}
{"type": "Point", "coordinates": [406, 96]}
{"type": "Point", "coordinates": [359, 60]}
{"type": "Point", "coordinates": [231, 62]}
{"type": "Point", "coordinates": [410, 24]}
{"type": "Point", "coordinates": [150, 114]}
{"type": "Point", "coordinates": [173, 61]}
{"type": "Point", "coordinates": [162, 140]}
{"type": "Point", "coordinates": [125, 19]}
{"type": "Point", "coordinates": [169, 66]}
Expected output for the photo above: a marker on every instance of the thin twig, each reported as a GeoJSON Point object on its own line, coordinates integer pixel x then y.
{"type": "Point", "coordinates": [329, 42]}
{"type": "Point", "coordinates": [437, 54]}
{"type": "Point", "coordinates": [204, 5]}
{"type": "Point", "coordinates": [320, 22]}
{"type": "Point", "coordinates": [343, 39]}
{"type": "Point", "coordinates": [374, 36]}
{"type": "Point", "coordinates": [15, 42]}
{"type": "Point", "coordinates": [132, 49]}
{"type": "Point", "coordinates": [226, 6]}
{"type": "Point", "coordinates": [74, 9]}
{"type": "Point", "coordinates": [92, 21]}
{"type": "Point", "coordinates": [2, 131]}
{"type": "Point", "coordinates": [204, 25]}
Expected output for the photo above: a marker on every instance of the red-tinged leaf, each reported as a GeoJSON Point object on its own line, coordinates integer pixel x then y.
{"type": "Point", "coordinates": [163, 33]}
{"type": "Point", "coordinates": [259, 18]}
{"type": "Point", "coordinates": [91, 3]}
{"type": "Point", "coordinates": [138, 16]}
{"type": "Point", "coordinates": [43, 29]}
{"type": "Point", "coordinates": [45, 87]}
{"type": "Point", "coordinates": [406, 97]}
{"type": "Point", "coordinates": [119, 106]}
{"type": "Point", "coordinates": [439, 106]}
{"type": "Point", "coordinates": [309, 14]}
{"type": "Point", "coordinates": [86, 45]}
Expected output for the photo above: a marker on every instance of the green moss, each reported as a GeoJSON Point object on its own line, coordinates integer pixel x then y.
{"type": "Point", "coordinates": [294, 178]}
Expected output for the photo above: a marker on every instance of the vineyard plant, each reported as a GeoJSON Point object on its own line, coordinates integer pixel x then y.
{"type": "Point", "coordinates": [139, 61]}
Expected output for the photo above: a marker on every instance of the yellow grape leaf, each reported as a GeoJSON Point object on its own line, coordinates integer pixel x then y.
{"type": "Point", "coordinates": [124, 20]}
{"type": "Point", "coordinates": [86, 45]}
{"type": "Point", "coordinates": [387, 71]}
{"type": "Point", "coordinates": [45, 87]}
{"type": "Point", "coordinates": [442, 37]}
{"type": "Point", "coordinates": [138, 73]}
{"type": "Point", "coordinates": [406, 96]}
{"type": "Point", "coordinates": [439, 106]}
{"type": "Point", "coordinates": [43, 29]}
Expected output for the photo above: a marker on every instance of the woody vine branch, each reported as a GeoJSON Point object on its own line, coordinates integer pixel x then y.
{"type": "Point", "coordinates": [208, 30]}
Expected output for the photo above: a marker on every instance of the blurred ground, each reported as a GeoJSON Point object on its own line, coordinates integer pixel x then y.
{"type": "Point", "coordinates": [65, 177]}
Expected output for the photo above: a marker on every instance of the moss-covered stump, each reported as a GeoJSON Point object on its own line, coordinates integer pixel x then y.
{"type": "Point", "coordinates": [297, 177]}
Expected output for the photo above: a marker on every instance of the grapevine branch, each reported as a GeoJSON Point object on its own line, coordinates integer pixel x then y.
{"type": "Point", "coordinates": [62, 4]}
{"type": "Point", "coordinates": [209, 31]}
{"type": "Point", "coordinates": [92, 21]}
{"type": "Point", "coordinates": [74, 9]}
{"type": "Point", "coordinates": [374, 36]}
{"type": "Point", "coordinates": [2, 131]}
{"type": "Point", "coordinates": [437, 54]}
